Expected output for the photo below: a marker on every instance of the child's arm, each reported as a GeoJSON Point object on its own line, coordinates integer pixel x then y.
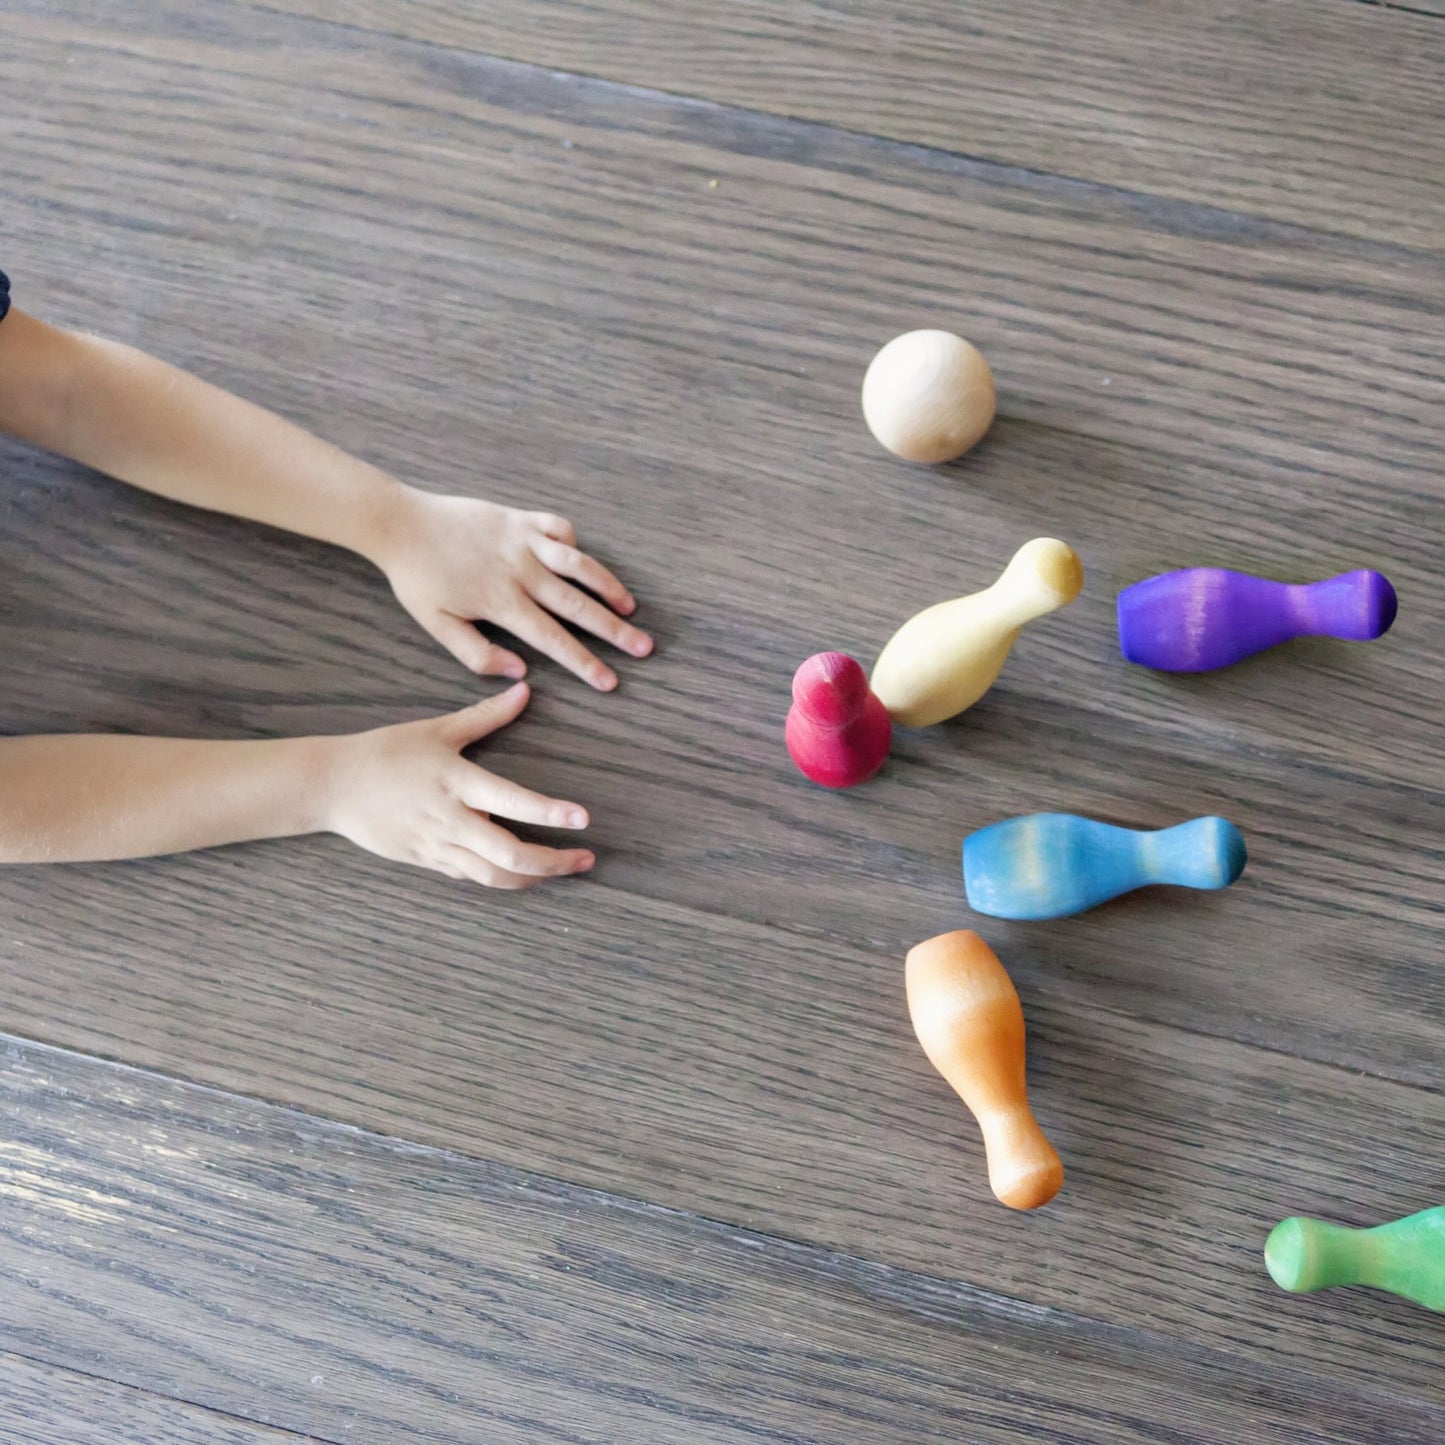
{"type": "Point", "coordinates": [450, 560]}
{"type": "Point", "coordinates": [402, 792]}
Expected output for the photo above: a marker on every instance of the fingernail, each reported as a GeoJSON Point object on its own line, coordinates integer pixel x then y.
{"type": "Point", "coordinates": [586, 861]}
{"type": "Point", "coordinates": [516, 668]}
{"type": "Point", "coordinates": [629, 605]}
{"type": "Point", "coordinates": [576, 818]}
{"type": "Point", "coordinates": [605, 680]}
{"type": "Point", "coordinates": [641, 647]}
{"type": "Point", "coordinates": [515, 689]}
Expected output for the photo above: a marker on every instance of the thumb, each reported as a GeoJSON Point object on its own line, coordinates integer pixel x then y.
{"type": "Point", "coordinates": [470, 648]}
{"type": "Point", "coordinates": [486, 717]}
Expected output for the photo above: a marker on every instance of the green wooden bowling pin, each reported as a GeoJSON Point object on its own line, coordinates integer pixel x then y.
{"type": "Point", "coordinates": [1406, 1257]}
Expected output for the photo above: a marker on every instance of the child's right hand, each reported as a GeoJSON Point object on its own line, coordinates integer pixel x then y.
{"type": "Point", "coordinates": [406, 793]}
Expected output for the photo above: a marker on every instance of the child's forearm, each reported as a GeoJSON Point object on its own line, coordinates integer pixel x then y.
{"type": "Point", "coordinates": [404, 792]}
{"type": "Point", "coordinates": [145, 422]}
{"type": "Point", "coordinates": [70, 799]}
{"type": "Point", "coordinates": [452, 561]}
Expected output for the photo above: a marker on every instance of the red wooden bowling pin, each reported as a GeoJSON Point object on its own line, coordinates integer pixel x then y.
{"type": "Point", "coordinates": [837, 732]}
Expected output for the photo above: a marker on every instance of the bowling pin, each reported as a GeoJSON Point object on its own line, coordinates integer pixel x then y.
{"type": "Point", "coordinates": [1204, 617]}
{"type": "Point", "coordinates": [944, 659]}
{"type": "Point", "coordinates": [1406, 1257]}
{"type": "Point", "coordinates": [1052, 865]}
{"type": "Point", "coordinates": [967, 1016]}
{"type": "Point", "coordinates": [837, 732]}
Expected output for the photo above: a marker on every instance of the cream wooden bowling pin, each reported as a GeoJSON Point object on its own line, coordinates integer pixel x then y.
{"type": "Point", "coordinates": [967, 1016]}
{"type": "Point", "coordinates": [944, 659]}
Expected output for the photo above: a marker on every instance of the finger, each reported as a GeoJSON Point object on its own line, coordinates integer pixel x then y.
{"type": "Point", "coordinates": [567, 561]}
{"type": "Point", "coordinates": [471, 649]}
{"type": "Point", "coordinates": [576, 607]}
{"type": "Point", "coordinates": [487, 793]}
{"type": "Point", "coordinates": [471, 723]}
{"type": "Point", "coordinates": [458, 862]}
{"type": "Point", "coordinates": [548, 635]}
{"type": "Point", "coordinates": [557, 528]}
{"type": "Point", "coordinates": [506, 851]}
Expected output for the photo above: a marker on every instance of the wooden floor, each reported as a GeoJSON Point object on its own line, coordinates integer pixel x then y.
{"type": "Point", "coordinates": [297, 1144]}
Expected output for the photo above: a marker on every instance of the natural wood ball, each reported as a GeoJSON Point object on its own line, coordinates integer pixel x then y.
{"type": "Point", "coordinates": [928, 396]}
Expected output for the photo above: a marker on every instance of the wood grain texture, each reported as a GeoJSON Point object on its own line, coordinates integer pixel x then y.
{"type": "Point", "coordinates": [715, 450]}
{"type": "Point", "coordinates": [276, 1266]}
{"type": "Point", "coordinates": [744, 1074]}
{"type": "Point", "coordinates": [46, 1405]}
{"type": "Point", "coordinates": [522, 285]}
{"type": "Point", "coordinates": [1327, 113]}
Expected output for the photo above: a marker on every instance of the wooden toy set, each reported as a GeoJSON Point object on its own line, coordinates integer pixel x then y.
{"type": "Point", "coordinates": [928, 397]}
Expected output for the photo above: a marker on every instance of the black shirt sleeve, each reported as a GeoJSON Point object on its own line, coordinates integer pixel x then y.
{"type": "Point", "coordinates": [4, 295]}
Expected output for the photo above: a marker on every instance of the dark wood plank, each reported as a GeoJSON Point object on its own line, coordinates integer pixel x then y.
{"type": "Point", "coordinates": [1323, 112]}
{"type": "Point", "coordinates": [1348, 911]}
{"type": "Point", "coordinates": [274, 1265]}
{"type": "Point", "coordinates": [1411, 7]}
{"type": "Point", "coordinates": [44, 1405]}
{"type": "Point", "coordinates": [737, 1072]}
{"type": "Point", "coordinates": [703, 478]}
{"type": "Point", "coordinates": [417, 263]}
{"type": "Point", "coordinates": [1107, 315]}
{"type": "Point", "coordinates": [1300, 384]}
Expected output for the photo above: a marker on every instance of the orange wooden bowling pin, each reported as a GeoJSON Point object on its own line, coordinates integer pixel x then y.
{"type": "Point", "coordinates": [968, 1018]}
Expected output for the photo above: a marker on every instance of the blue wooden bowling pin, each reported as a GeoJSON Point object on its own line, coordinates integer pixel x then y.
{"type": "Point", "coordinates": [1205, 617]}
{"type": "Point", "coordinates": [1051, 865]}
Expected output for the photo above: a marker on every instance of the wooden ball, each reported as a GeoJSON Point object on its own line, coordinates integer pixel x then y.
{"type": "Point", "coordinates": [928, 396]}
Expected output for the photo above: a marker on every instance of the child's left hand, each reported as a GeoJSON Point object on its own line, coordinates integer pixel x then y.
{"type": "Point", "coordinates": [455, 561]}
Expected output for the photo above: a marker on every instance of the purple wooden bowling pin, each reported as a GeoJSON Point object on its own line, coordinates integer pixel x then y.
{"type": "Point", "coordinates": [1205, 617]}
{"type": "Point", "coordinates": [838, 733]}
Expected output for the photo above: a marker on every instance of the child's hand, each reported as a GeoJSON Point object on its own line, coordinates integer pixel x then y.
{"type": "Point", "coordinates": [453, 561]}
{"type": "Point", "coordinates": [404, 792]}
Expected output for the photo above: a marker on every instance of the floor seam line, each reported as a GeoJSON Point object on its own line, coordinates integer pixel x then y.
{"type": "Point", "coordinates": [9, 1352]}
{"type": "Point", "coordinates": [997, 170]}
